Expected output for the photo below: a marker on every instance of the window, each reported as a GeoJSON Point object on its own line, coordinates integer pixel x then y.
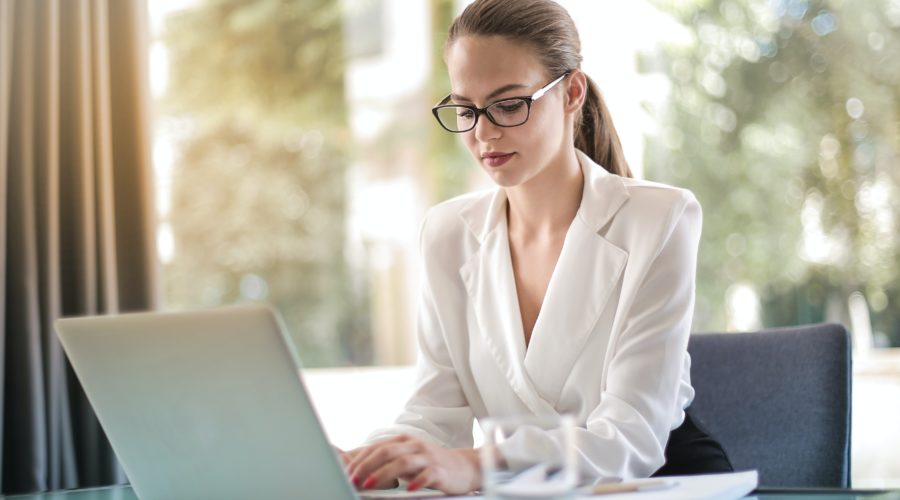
{"type": "Point", "coordinates": [296, 154]}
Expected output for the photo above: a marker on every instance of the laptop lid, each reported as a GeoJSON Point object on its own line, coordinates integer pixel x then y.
{"type": "Point", "coordinates": [204, 404]}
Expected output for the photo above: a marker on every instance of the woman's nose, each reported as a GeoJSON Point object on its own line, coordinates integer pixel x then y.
{"type": "Point", "coordinates": [485, 130]}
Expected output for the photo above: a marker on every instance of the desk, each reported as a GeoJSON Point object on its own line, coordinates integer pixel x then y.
{"type": "Point", "coordinates": [126, 493]}
{"type": "Point", "coordinates": [105, 493]}
{"type": "Point", "coordinates": [823, 494]}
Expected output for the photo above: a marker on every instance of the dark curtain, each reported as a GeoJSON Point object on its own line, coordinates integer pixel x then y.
{"type": "Point", "coordinates": [76, 222]}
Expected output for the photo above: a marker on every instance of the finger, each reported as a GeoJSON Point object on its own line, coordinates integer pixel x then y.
{"type": "Point", "coordinates": [426, 478]}
{"type": "Point", "coordinates": [361, 453]}
{"type": "Point", "coordinates": [402, 466]}
{"type": "Point", "coordinates": [354, 462]}
{"type": "Point", "coordinates": [379, 456]}
{"type": "Point", "coordinates": [373, 483]}
{"type": "Point", "coordinates": [350, 455]}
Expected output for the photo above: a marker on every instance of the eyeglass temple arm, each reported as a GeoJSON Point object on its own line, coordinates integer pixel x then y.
{"type": "Point", "coordinates": [540, 93]}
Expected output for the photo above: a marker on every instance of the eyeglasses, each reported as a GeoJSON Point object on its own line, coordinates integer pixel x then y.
{"type": "Point", "coordinates": [510, 112]}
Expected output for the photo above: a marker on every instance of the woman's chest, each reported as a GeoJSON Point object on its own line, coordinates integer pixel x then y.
{"type": "Point", "coordinates": [533, 263]}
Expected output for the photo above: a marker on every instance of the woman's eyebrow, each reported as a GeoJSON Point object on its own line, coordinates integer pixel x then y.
{"type": "Point", "coordinates": [505, 88]}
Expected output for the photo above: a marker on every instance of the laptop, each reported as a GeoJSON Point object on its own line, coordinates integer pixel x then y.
{"type": "Point", "coordinates": [205, 404]}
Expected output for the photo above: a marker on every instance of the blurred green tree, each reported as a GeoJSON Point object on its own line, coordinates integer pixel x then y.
{"type": "Point", "coordinates": [451, 164]}
{"type": "Point", "coordinates": [256, 98]}
{"type": "Point", "coordinates": [784, 119]}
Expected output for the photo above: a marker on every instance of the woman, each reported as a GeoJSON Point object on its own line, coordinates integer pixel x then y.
{"type": "Point", "coordinates": [569, 289]}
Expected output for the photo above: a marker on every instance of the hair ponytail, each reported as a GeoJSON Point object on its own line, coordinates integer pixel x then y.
{"type": "Point", "coordinates": [596, 135]}
{"type": "Point", "coordinates": [549, 29]}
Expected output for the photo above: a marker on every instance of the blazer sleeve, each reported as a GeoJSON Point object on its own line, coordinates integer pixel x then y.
{"type": "Point", "coordinates": [438, 410]}
{"type": "Point", "coordinates": [625, 435]}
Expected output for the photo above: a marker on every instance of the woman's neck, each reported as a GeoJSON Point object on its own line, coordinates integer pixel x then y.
{"type": "Point", "coordinates": [545, 205]}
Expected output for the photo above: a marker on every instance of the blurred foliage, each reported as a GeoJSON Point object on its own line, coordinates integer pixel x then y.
{"type": "Point", "coordinates": [258, 187]}
{"type": "Point", "coordinates": [784, 119]}
{"type": "Point", "coordinates": [450, 160]}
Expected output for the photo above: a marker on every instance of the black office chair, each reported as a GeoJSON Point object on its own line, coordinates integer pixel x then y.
{"type": "Point", "coordinates": [778, 401]}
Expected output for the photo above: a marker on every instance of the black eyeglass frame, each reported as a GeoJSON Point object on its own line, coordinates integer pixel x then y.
{"type": "Point", "coordinates": [529, 100]}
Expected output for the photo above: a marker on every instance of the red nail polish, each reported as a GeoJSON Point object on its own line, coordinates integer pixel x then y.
{"type": "Point", "coordinates": [370, 481]}
{"type": "Point", "coordinates": [413, 486]}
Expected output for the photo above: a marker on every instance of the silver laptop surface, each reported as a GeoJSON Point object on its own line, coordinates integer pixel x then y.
{"type": "Point", "coordinates": [205, 404]}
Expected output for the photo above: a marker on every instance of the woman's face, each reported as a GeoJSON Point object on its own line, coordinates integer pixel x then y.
{"type": "Point", "coordinates": [484, 70]}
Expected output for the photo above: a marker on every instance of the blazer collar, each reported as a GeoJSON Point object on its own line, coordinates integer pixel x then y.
{"type": "Point", "coordinates": [602, 196]}
{"type": "Point", "coordinates": [586, 274]}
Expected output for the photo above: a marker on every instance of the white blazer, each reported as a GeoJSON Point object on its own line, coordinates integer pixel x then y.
{"type": "Point", "coordinates": [609, 345]}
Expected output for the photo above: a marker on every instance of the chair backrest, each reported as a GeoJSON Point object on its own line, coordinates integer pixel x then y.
{"type": "Point", "coordinates": [778, 401]}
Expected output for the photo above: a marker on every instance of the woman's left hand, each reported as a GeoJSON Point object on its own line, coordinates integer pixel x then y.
{"type": "Point", "coordinates": [422, 464]}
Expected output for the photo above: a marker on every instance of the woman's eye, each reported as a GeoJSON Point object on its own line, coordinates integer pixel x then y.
{"type": "Point", "coordinates": [511, 107]}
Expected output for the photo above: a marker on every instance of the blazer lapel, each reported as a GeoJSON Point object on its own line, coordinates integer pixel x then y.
{"type": "Point", "coordinates": [586, 274]}
{"type": "Point", "coordinates": [489, 281]}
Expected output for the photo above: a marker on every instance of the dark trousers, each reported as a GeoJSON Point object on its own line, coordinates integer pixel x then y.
{"type": "Point", "coordinates": [691, 450]}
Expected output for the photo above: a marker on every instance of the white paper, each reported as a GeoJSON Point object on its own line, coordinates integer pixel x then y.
{"type": "Point", "coordinates": [729, 486]}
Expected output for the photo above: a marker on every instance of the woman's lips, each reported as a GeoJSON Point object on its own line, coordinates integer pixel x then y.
{"type": "Point", "coordinates": [496, 159]}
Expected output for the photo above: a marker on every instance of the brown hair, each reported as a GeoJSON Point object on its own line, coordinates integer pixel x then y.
{"type": "Point", "coordinates": [547, 27]}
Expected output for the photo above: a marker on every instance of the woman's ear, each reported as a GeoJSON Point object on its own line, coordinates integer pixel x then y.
{"type": "Point", "coordinates": [576, 91]}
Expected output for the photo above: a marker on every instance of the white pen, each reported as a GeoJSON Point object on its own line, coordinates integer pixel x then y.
{"type": "Point", "coordinates": [658, 484]}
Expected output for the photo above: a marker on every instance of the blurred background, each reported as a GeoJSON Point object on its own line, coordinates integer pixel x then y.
{"type": "Point", "coordinates": [295, 153]}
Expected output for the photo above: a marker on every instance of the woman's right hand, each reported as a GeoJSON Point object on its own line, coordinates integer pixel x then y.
{"type": "Point", "coordinates": [420, 463]}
